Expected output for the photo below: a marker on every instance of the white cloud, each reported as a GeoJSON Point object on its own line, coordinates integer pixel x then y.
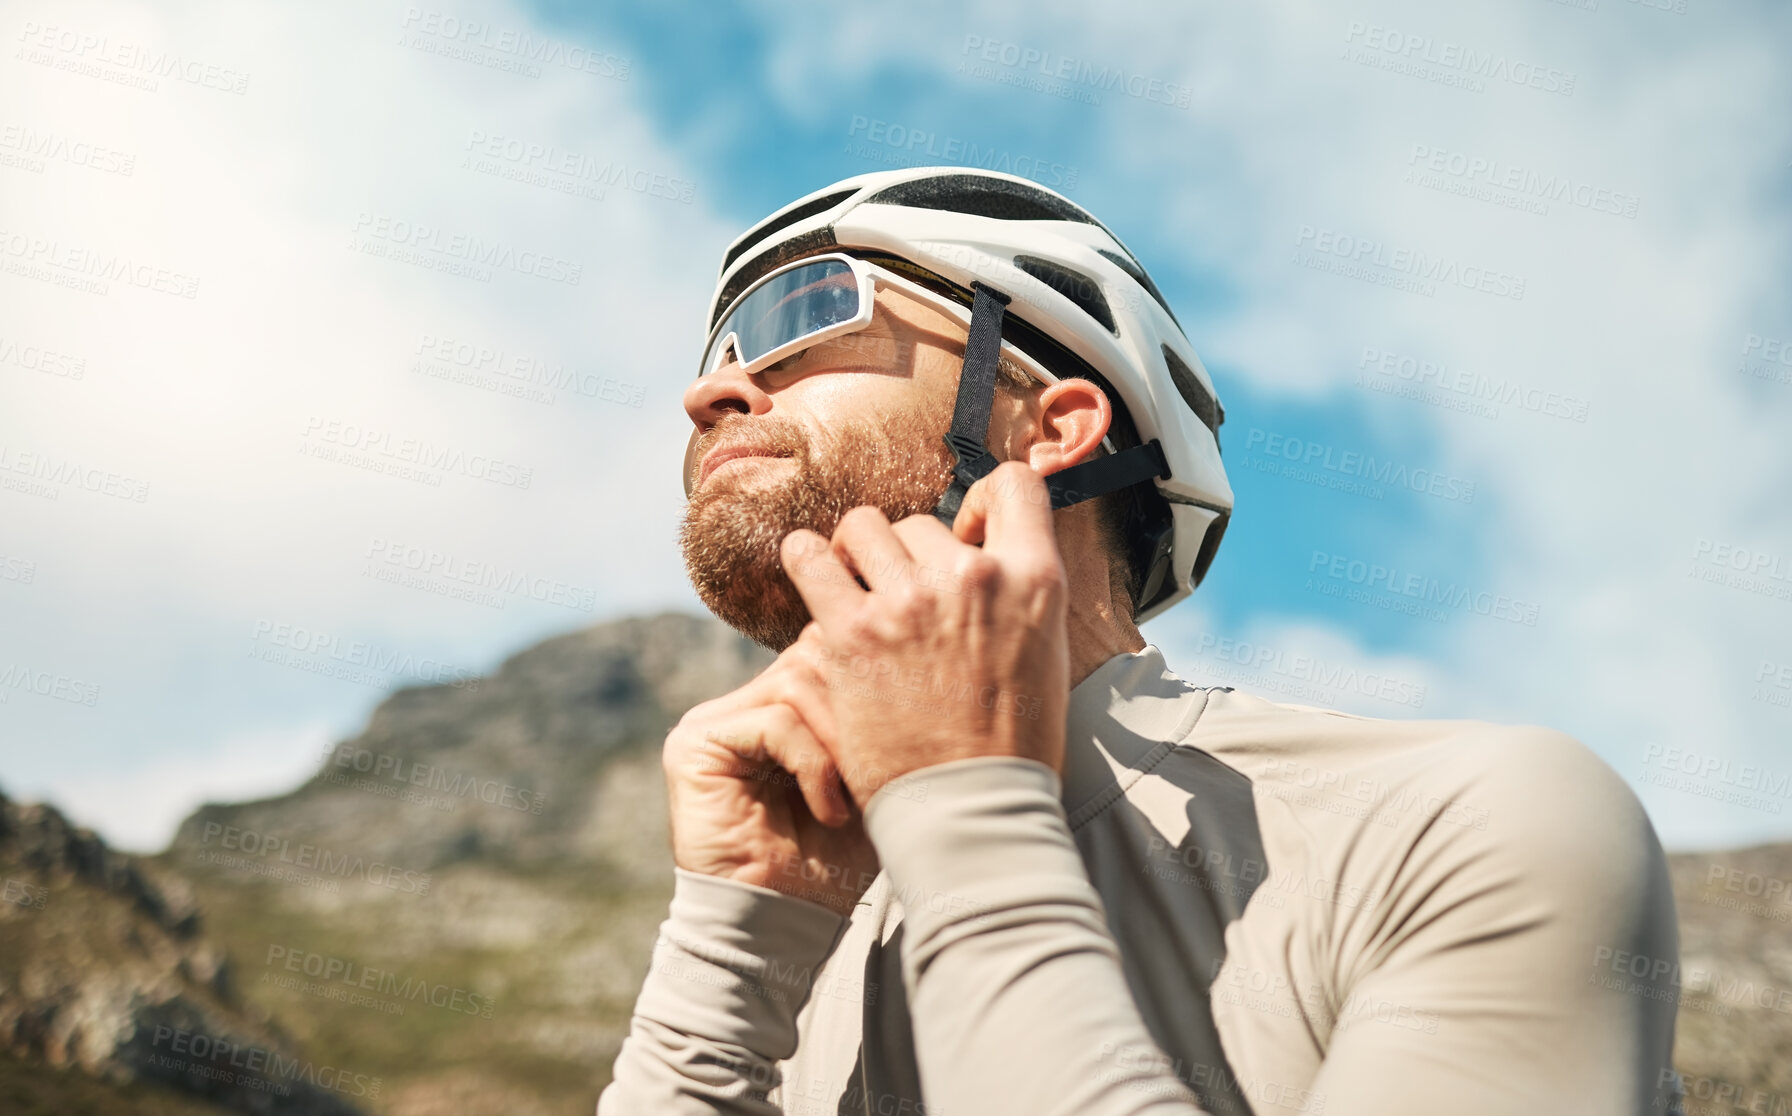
{"type": "Point", "coordinates": [137, 809]}
{"type": "Point", "coordinates": [350, 117]}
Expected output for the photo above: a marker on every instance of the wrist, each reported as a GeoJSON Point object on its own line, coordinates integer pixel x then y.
{"type": "Point", "coordinates": [1002, 810]}
{"type": "Point", "coordinates": [733, 962]}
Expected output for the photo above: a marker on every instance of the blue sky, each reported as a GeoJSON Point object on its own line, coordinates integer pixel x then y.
{"type": "Point", "coordinates": [1614, 164]}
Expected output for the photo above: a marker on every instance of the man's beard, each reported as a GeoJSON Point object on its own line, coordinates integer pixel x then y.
{"type": "Point", "coordinates": [733, 528]}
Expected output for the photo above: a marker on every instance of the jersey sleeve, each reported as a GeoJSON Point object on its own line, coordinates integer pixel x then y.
{"type": "Point", "coordinates": [1528, 962]}
{"type": "Point", "coordinates": [732, 965]}
{"type": "Point", "coordinates": [1486, 985]}
{"type": "Point", "coordinates": [1015, 986]}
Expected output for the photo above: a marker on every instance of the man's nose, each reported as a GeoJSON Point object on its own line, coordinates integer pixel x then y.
{"type": "Point", "coordinates": [724, 390]}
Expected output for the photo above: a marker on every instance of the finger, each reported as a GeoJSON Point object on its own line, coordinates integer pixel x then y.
{"type": "Point", "coordinates": [820, 577]}
{"type": "Point", "coordinates": [871, 549]}
{"type": "Point", "coordinates": [757, 743]}
{"type": "Point", "coordinates": [797, 678]}
{"type": "Point", "coordinates": [804, 673]}
{"type": "Point", "coordinates": [1009, 511]}
{"type": "Point", "coordinates": [932, 546]}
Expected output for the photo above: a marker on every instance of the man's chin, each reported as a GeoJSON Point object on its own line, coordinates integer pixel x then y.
{"type": "Point", "coordinates": [732, 556]}
{"type": "Point", "coordinates": [770, 616]}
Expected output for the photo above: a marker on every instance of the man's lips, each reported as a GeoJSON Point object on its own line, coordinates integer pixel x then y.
{"type": "Point", "coordinates": [721, 455]}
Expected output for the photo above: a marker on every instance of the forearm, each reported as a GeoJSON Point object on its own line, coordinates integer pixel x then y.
{"type": "Point", "coordinates": [1014, 982]}
{"type": "Point", "coordinates": [732, 965]}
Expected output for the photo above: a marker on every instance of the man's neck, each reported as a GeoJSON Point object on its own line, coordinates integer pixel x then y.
{"type": "Point", "coordinates": [1097, 635]}
{"type": "Point", "coordinates": [1097, 628]}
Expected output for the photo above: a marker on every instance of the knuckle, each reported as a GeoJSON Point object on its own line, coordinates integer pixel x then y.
{"type": "Point", "coordinates": [977, 572]}
{"type": "Point", "coordinates": [1042, 576]}
{"type": "Point", "coordinates": [863, 628]}
{"type": "Point", "coordinates": [862, 516]}
{"type": "Point", "coordinates": [784, 722]}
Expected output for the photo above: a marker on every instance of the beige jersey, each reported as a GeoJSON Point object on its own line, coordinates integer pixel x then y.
{"type": "Point", "coordinates": [1226, 905]}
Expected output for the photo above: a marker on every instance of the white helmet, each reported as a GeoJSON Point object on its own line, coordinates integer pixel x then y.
{"type": "Point", "coordinates": [1077, 302]}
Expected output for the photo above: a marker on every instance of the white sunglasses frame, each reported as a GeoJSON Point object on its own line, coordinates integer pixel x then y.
{"type": "Point", "coordinates": [867, 275]}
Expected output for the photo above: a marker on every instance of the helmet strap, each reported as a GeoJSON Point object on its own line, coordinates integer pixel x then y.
{"type": "Point", "coordinates": [971, 459]}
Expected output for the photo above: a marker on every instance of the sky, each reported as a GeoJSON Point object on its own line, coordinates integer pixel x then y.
{"type": "Point", "coordinates": [1495, 296]}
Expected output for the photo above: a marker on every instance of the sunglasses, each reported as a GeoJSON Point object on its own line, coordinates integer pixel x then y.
{"type": "Point", "coordinates": [817, 299]}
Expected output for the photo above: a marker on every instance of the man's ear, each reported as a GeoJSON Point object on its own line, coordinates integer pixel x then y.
{"type": "Point", "coordinates": [1074, 417]}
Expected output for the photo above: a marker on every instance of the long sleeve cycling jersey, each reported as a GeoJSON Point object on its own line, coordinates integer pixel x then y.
{"type": "Point", "coordinates": [1225, 905]}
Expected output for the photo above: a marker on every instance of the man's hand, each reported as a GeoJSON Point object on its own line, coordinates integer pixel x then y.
{"type": "Point", "coordinates": [954, 651]}
{"type": "Point", "coordinates": [755, 795]}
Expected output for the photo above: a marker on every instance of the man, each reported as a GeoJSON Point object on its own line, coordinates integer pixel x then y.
{"type": "Point", "coordinates": [969, 846]}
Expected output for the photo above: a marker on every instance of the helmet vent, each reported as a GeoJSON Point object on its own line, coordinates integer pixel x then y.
{"type": "Point", "coordinates": [1073, 285]}
{"type": "Point", "coordinates": [1131, 267]}
{"type": "Point", "coordinates": [783, 221]}
{"type": "Point", "coordinates": [981, 196]}
{"type": "Point", "coordinates": [1198, 398]}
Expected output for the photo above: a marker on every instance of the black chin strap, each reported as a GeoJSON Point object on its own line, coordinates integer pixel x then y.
{"type": "Point", "coordinates": [971, 458]}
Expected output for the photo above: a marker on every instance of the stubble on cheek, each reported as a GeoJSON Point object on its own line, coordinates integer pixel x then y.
{"type": "Point", "coordinates": [734, 526]}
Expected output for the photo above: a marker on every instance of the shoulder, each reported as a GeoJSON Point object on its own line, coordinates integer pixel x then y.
{"type": "Point", "coordinates": [1557, 816]}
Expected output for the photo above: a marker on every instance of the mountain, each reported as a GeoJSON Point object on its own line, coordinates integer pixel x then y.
{"type": "Point", "coordinates": [499, 846]}
{"type": "Point", "coordinates": [104, 969]}
{"type": "Point", "coordinates": [461, 902]}
{"type": "Point", "coordinates": [504, 770]}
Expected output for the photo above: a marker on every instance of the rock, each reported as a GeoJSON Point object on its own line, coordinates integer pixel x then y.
{"type": "Point", "coordinates": [104, 969]}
